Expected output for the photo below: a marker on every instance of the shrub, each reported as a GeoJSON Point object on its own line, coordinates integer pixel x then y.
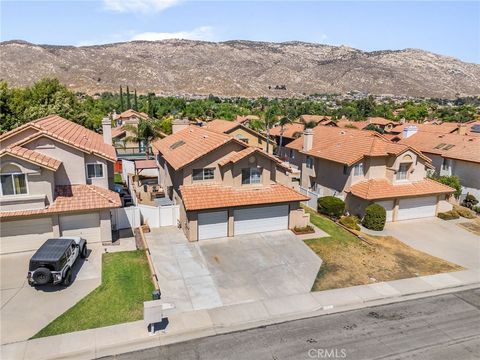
{"type": "Point", "coordinates": [304, 229]}
{"type": "Point", "coordinates": [331, 206]}
{"type": "Point", "coordinates": [448, 215]}
{"type": "Point", "coordinates": [476, 209]}
{"type": "Point", "coordinates": [350, 222]}
{"type": "Point", "coordinates": [464, 212]}
{"type": "Point", "coordinates": [452, 181]}
{"type": "Point", "coordinates": [375, 217]}
{"type": "Point", "coordinates": [470, 201]}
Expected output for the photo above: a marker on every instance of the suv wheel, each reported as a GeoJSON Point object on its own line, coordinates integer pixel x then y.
{"type": "Point", "coordinates": [68, 278]}
{"type": "Point", "coordinates": [83, 254]}
{"type": "Point", "coordinates": [42, 276]}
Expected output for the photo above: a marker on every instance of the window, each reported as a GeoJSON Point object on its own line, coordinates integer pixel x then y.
{"type": "Point", "coordinates": [14, 184]}
{"type": "Point", "coordinates": [358, 169]}
{"type": "Point", "coordinates": [251, 176]}
{"type": "Point", "coordinates": [402, 171]}
{"type": "Point", "coordinates": [204, 174]}
{"type": "Point", "coordinates": [94, 171]}
{"type": "Point", "coordinates": [309, 162]}
{"type": "Point", "coordinates": [345, 169]}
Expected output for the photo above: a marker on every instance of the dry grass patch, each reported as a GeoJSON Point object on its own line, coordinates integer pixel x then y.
{"type": "Point", "coordinates": [348, 261]}
{"type": "Point", "coordinates": [472, 226]}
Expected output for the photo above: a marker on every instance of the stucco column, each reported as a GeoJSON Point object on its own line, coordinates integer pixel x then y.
{"type": "Point", "coordinates": [395, 209]}
{"type": "Point", "coordinates": [231, 223]}
{"type": "Point", "coordinates": [105, 227]}
{"type": "Point", "coordinates": [437, 205]}
{"type": "Point", "coordinates": [55, 226]}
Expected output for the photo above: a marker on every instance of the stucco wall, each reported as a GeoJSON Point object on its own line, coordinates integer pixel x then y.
{"type": "Point", "coordinates": [469, 174]}
{"type": "Point", "coordinates": [253, 139]}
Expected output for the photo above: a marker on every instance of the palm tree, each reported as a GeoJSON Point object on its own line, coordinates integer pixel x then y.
{"type": "Point", "coordinates": [145, 132]}
{"type": "Point", "coordinates": [310, 125]}
{"type": "Point", "coordinates": [269, 118]}
{"type": "Point", "coordinates": [283, 121]}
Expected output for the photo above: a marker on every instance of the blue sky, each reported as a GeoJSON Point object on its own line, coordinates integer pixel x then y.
{"type": "Point", "coordinates": [448, 28]}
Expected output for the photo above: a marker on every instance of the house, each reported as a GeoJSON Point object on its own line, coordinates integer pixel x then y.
{"type": "Point", "coordinates": [121, 136]}
{"type": "Point", "coordinates": [241, 132]}
{"type": "Point", "coordinates": [317, 119]}
{"type": "Point", "coordinates": [129, 116]}
{"type": "Point", "coordinates": [363, 167]}
{"type": "Point", "coordinates": [56, 178]}
{"type": "Point", "coordinates": [245, 120]}
{"type": "Point", "coordinates": [224, 186]}
{"type": "Point", "coordinates": [405, 130]}
{"type": "Point", "coordinates": [382, 123]}
{"type": "Point", "coordinates": [451, 154]}
{"type": "Point", "coordinates": [285, 134]}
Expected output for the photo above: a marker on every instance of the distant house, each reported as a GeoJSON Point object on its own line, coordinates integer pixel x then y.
{"type": "Point", "coordinates": [129, 116]}
{"type": "Point", "coordinates": [224, 186]}
{"type": "Point", "coordinates": [363, 167]}
{"type": "Point", "coordinates": [245, 120]}
{"type": "Point", "coordinates": [240, 132]}
{"type": "Point", "coordinates": [57, 178]}
{"type": "Point", "coordinates": [284, 135]}
{"type": "Point", "coordinates": [451, 154]}
{"type": "Point", "coordinates": [317, 119]}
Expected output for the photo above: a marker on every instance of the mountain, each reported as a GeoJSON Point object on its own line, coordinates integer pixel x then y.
{"type": "Point", "coordinates": [239, 68]}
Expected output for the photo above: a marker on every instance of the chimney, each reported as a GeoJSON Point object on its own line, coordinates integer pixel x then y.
{"type": "Point", "coordinates": [409, 131]}
{"type": "Point", "coordinates": [462, 130]}
{"type": "Point", "coordinates": [307, 139]}
{"type": "Point", "coordinates": [179, 124]}
{"type": "Point", "coordinates": [107, 130]}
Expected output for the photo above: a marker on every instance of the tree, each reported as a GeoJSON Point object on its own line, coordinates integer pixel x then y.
{"type": "Point", "coordinates": [122, 105]}
{"type": "Point", "coordinates": [269, 119]}
{"type": "Point", "coordinates": [129, 104]}
{"type": "Point", "coordinates": [283, 121]}
{"type": "Point", "coordinates": [373, 127]}
{"type": "Point", "coordinates": [310, 125]}
{"type": "Point", "coordinates": [144, 133]}
{"type": "Point", "coordinates": [135, 101]}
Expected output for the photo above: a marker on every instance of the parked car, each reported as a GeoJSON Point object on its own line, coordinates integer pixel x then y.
{"type": "Point", "coordinates": [52, 263]}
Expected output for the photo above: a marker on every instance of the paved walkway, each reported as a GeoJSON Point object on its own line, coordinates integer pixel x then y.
{"type": "Point", "coordinates": [219, 272]}
{"type": "Point", "coordinates": [437, 237]}
{"type": "Point", "coordinates": [122, 338]}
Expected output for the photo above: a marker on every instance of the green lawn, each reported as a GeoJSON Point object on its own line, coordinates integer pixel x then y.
{"type": "Point", "coordinates": [117, 178]}
{"type": "Point", "coordinates": [126, 284]}
{"type": "Point", "coordinates": [348, 261]}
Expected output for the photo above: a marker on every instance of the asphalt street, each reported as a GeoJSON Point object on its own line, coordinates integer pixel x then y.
{"type": "Point", "coordinates": [440, 327]}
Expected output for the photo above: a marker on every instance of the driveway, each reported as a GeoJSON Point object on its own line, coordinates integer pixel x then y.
{"type": "Point", "coordinates": [227, 271]}
{"type": "Point", "coordinates": [25, 310]}
{"type": "Point", "coordinates": [440, 238]}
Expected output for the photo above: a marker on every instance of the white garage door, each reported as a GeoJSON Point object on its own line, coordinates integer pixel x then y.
{"type": "Point", "coordinates": [24, 235]}
{"type": "Point", "coordinates": [260, 219]}
{"type": "Point", "coordinates": [388, 205]}
{"type": "Point", "coordinates": [212, 225]}
{"type": "Point", "coordinates": [85, 225]}
{"type": "Point", "coordinates": [414, 208]}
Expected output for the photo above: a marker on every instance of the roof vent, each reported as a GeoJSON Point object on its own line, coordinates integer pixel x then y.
{"type": "Point", "coordinates": [475, 128]}
{"type": "Point", "coordinates": [342, 132]}
{"type": "Point", "coordinates": [177, 144]}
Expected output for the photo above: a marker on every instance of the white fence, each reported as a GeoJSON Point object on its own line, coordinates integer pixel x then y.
{"type": "Point", "coordinates": [312, 203]}
{"type": "Point", "coordinates": [126, 218]}
{"type": "Point", "coordinates": [159, 216]}
{"type": "Point", "coordinates": [128, 167]}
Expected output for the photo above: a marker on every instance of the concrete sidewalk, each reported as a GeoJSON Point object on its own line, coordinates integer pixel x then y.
{"type": "Point", "coordinates": [127, 337]}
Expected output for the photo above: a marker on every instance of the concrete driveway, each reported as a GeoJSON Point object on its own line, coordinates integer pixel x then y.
{"type": "Point", "coordinates": [25, 310]}
{"type": "Point", "coordinates": [227, 271]}
{"type": "Point", "coordinates": [440, 238]}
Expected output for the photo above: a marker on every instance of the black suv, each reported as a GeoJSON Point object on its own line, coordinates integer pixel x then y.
{"type": "Point", "coordinates": [53, 261]}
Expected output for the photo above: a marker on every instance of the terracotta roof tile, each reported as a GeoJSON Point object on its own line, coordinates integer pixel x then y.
{"type": "Point", "coordinates": [290, 131]}
{"type": "Point", "coordinates": [202, 197]}
{"type": "Point", "coordinates": [314, 118]}
{"type": "Point", "coordinates": [347, 146]}
{"type": "Point", "coordinates": [117, 131]}
{"type": "Point", "coordinates": [383, 189]}
{"type": "Point", "coordinates": [32, 156]}
{"type": "Point", "coordinates": [146, 164]}
{"type": "Point", "coordinates": [131, 113]}
{"type": "Point", "coordinates": [455, 146]}
{"type": "Point", "coordinates": [70, 198]}
{"type": "Point", "coordinates": [68, 132]}
{"type": "Point", "coordinates": [189, 144]}
{"type": "Point", "coordinates": [444, 128]}
{"type": "Point", "coordinates": [221, 126]}
{"type": "Point", "coordinates": [379, 121]}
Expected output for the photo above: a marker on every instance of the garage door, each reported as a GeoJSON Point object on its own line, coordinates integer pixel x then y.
{"type": "Point", "coordinates": [24, 235]}
{"type": "Point", "coordinates": [85, 225]}
{"type": "Point", "coordinates": [260, 219]}
{"type": "Point", "coordinates": [212, 225]}
{"type": "Point", "coordinates": [414, 208]}
{"type": "Point", "coordinates": [388, 205]}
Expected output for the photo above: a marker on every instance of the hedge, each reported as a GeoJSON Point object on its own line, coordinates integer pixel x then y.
{"type": "Point", "coordinates": [448, 215]}
{"type": "Point", "coordinates": [331, 206]}
{"type": "Point", "coordinates": [375, 217]}
{"type": "Point", "coordinates": [350, 222]}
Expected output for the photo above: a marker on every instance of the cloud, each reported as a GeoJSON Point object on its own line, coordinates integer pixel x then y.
{"type": "Point", "coordinates": [139, 6]}
{"type": "Point", "coordinates": [205, 33]}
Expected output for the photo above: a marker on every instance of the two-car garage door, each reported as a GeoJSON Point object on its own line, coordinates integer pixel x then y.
{"type": "Point", "coordinates": [252, 220]}
{"type": "Point", "coordinates": [418, 207]}
{"type": "Point", "coordinates": [24, 235]}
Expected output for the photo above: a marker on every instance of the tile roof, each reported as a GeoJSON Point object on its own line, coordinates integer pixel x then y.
{"type": "Point", "coordinates": [314, 118]}
{"type": "Point", "coordinates": [383, 189]}
{"type": "Point", "coordinates": [235, 156]}
{"type": "Point", "coordinates": [470, 125]}
{"type": "Point", "coordinates": [70, 198]}
{"type": "Point", "coordinates": [242, 119]}
{"type": "Point", "coordinates": [464, 147]}
{"type": "Point", "coordinates": [211, 196]}
{"type": "Point", "coordinates": [145, 164]}
{"type": "Point", "coordinates": [221, 126]}
{"type": "Point", "coordinates": [444, 128]}
{"type": "Point", "coordinates": [190, 144]}
{"type": "Point", "coordinates": [131, 113]}
{"type": "Point", "coordinates": [290, 131]}
{"type": "Point", "coordinates": [32, 156]}
{"type": "Point", "coordinates": [347, 146]}
{"type": "Point", "coordinates": [350, 123]}
{"type": "Point", "coordinates": [117, 131]}
{"type": "Point", "coordinates": [379, 121]}
{"type": "Point", "coordinates": [68, 132]}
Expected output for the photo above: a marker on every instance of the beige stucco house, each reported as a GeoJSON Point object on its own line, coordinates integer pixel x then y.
{"type": "Point", "coordinates": [224, 186]}
{"type": "Point", "coordinates": [56, 178]}
{"type": "Point", "coordinates": [363, 167]}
